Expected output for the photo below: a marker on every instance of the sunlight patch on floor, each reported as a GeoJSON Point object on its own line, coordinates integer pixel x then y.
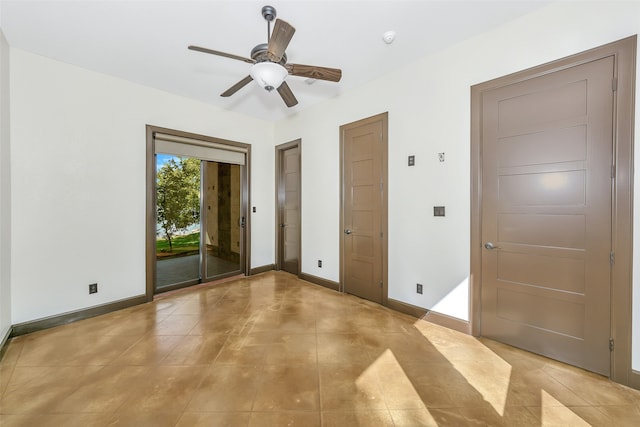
{"type": "Point", "coordinates": [485, 371]}
{"type": "Point", "coordinates": [490, 378]}
{"type": "Point", "coordinates": [553, 413]}
{"type": "Point", "coordinates": [391, 377]}
{"type": "Point", "coordinates": [367, 382]}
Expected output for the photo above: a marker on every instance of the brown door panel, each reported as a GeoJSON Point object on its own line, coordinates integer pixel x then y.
{"type": "Point", "coordinates": [363, 209]}
{"type": "Point", "coordinates": [546, 208]}
{"type": "Point", "coordinates": [289, 209]}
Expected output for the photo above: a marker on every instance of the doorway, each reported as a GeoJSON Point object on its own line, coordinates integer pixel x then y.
{"type": "Point", "coordinates": [198, 221]}
{"type": "Point", "coordinates": [197, 198]}
{"type": "Point", "coordinates": [288, 196]}
{"type": "Point", "coordinates": [551, 209]}
{"type": "Point", "coordinates": [363, 209]}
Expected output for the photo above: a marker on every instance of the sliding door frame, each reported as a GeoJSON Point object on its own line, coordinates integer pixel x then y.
{"type": "Point", "coordinates": [150, 214]}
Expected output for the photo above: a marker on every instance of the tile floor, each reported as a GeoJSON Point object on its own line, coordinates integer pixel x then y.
{"type": "Point", "coordinates": [273, 350]}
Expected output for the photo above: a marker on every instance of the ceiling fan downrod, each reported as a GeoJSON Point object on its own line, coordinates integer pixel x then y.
{"type": "Point", "coordinates": [269, 14]}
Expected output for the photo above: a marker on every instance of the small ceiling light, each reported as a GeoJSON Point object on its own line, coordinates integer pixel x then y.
{"type": "Point", "coordinates": [269, 75]}
{"type": "Point", "coordinates": [389, 36]}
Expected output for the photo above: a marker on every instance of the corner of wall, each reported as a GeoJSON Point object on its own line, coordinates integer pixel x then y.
{"type": "Point", "coordinates": [5, 191]}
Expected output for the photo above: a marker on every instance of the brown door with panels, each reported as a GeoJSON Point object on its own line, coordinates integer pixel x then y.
{"type": "Point", "coordinates": [546, 214]}
{"type": "Point", "coordinates": [364, 208]}
{"type": "Point", "coordinates": [288, 194]}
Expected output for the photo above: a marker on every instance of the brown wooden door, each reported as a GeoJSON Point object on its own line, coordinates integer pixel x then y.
{"type": "Point", "coordinates": [546, 214]}
{"type": "Point", "coordinates": [363, 146]}
{"type": "Point", "coordinates": [289, 209]}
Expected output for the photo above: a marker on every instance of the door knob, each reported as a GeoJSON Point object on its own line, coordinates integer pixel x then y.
{"type": "Point", "coordinates": [282, 225]}
{"type": "Point", "coordinates": [347, 231]}
{"type": "Point", "coordinates": [490, 246]}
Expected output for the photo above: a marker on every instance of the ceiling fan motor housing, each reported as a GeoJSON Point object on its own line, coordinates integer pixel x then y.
{"type": "Point", "coordinates": [259, 54]}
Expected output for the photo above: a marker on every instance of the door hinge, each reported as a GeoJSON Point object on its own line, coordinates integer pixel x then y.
{"type": "Point", "coordinates": [614, 84]}
{"type": "Point", "coordinates": [612, 258]}
{"type": "Point", "coordinates": [611, 344]}
{"type": "Point", "coordinates": [613, 171]}
{"type": "Point", "coordinates": [381, 234]}
{"type": "Point", "coordinates": [381, 284]}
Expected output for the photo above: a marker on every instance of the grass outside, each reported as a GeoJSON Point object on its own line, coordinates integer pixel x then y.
{"type": "Point", "coordinates": [181, 245]}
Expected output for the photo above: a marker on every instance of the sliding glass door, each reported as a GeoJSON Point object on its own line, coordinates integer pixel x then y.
{"type": "Point", "coordinates": [222, 219]}
{"type": "Point", "coordinates": [198, 227]}
{"type": "Point", "coordinates": [199, 221]}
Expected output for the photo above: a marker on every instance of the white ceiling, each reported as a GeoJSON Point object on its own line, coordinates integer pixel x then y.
{"type": "Point", "coordinates": [145, 41]}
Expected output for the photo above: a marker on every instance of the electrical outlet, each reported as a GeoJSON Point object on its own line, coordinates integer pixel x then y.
{"type": "Point", "coordinates": [320, 263]}
{"type": "Point", "coordinates": [419, 288]}
{"type": "Point", "coordinates": [93, 288]}
{"type": "Point", "coordinates": [411, 161]}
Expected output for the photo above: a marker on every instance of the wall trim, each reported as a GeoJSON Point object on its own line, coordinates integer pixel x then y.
{"type": "Point", "coordinates": [448, 322]}
{"type": "Point", "coordinates": [406, 308]}
{"type": "Point", "coordinates": [74, 316]}
{"type": "Point", "coordinates": [262, 269]}
{"type": "Point", "coordinates": [4, 344]}
{"type": "Point", "coordinates": [430, 316]}
{"type": "Point", "coordinates": [634, 379]}
{"type": "Point", "coordinates": [320, 281]}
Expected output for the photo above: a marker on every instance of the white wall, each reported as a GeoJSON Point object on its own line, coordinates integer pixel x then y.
{"type": "Point", "coordinates": [429, 112]}
{"type": "Point", "coordinates": [78, 175]}
{"type": "Point", "coordinates": [5, 192]}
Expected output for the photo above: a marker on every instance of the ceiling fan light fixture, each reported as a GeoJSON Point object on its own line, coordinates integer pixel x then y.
{"type": "Point", "coordinates": [268, 75]}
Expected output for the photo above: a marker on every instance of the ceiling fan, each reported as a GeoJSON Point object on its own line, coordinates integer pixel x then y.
{"type": "Point", "coordinates": [270, 67]}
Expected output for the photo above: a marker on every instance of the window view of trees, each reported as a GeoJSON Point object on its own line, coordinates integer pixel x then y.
{"type": "Point", "coordinates": [178, 197]}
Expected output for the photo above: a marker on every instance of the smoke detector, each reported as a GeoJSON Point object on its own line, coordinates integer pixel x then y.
{"type": "Point", "coordinates": [389, 36]}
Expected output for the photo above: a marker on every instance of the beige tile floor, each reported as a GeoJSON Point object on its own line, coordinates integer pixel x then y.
{"type": "Point", "coordinates": [273, 350]}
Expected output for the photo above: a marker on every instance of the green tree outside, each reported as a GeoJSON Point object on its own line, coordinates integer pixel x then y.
{"type": "Point", "coordinates": [178, 196]}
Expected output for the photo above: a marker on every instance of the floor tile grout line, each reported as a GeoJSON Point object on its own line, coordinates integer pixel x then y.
{"type": "Point", "coordinates": [201, 379]}
{"type": "Point", "coordinates": [111, 363]}
{"type": "Point", "coordinates": [320, 400]}
{"type": "Point", "coordinates": [13, 369]}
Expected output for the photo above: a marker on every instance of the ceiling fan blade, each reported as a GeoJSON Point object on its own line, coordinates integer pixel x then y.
{"type": "Point", "coordinates": [319, 73]}
{"type": "Point", "coordinates": [226, 55]}
{"type": "Point", "coordinates": [280, 38]}
{"type": "Point", "coordinates": [236, 87]}
{"type": "Point", "coordinates": [287, 96]}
